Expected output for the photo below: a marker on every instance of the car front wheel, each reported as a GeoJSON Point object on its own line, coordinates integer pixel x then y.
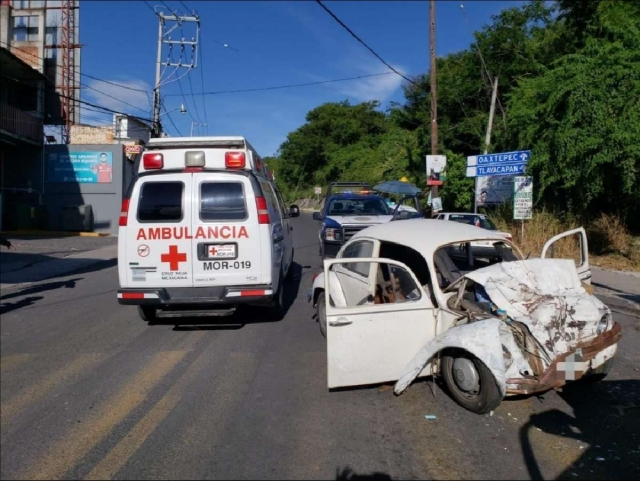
{"type": "Point", "coordinates": [470, 382]}
{"type": "Point", "coordinates": [321, 310]}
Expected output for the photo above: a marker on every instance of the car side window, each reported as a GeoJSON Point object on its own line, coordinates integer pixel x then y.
{"type": "Point", "coordinates": [358, 249]}
{"type": "Point", "coordinates": [394, 285]}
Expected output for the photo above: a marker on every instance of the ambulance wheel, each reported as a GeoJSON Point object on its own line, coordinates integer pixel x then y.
{"type": "Point", "coordinates": [147, 313]}
{"type": "Point", "coordinates": [276, 311]}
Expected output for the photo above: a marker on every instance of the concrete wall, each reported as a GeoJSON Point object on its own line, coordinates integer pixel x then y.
{"type": "Point", "coordinates": [106, 199]}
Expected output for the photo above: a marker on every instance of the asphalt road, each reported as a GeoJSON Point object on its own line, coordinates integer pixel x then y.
{"type": "Point", "coordinates": [89, 391]}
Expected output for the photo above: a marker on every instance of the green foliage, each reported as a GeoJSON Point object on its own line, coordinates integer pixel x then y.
{"type": "Point", "coordinates": [569, 89]}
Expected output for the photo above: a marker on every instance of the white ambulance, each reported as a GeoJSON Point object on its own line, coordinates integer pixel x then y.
{"type": "Point", "coordinates": [203, 227]}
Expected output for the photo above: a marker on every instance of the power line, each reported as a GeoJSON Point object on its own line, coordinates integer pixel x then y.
{"type": "Point", "coordinates": [277, 87]}
{"type": "Point", "coordinates": [150, 7]}
{"type": "Point", "coordinates": [204, 103]}
{"type": "Point", "coordinates": [342, 24]}
{"type": "Point", "coordinates": [185, 7]}
{"type": "Point", "coordinates": [106, 109]}
{"type": "Point", "coordinates": [127, 87]}
{"type": "Point", "coordinates": [170, 119]}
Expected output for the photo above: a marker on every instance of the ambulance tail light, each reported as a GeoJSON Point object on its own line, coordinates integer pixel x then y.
{"type": "Point", "coordinates": [263, 211]}
{"type": "Point", "coordinates": [152, 161]}
{"type": "Point", "coordinates": [124, 212]}
{"type": "Point", "coordinates": [234, 160]}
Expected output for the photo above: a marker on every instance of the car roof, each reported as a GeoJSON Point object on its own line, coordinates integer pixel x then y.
{"type": "Point", "coordinates": [463, 213]}
{"type": "Point", "coordinates": [348, 196]}
{"type": "Point", "coordinates": [426, 235]}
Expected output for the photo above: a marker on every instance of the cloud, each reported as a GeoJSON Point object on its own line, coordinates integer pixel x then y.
{"type": "Point", "coordinates": [121, 97]}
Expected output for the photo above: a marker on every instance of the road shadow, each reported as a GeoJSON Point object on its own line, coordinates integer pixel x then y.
{"type": "Point", "coordinates": [606, 419]}
{"type": "Point", "coordinates": [347, 474]}
{"type": "Point", "coordinates": [6, 307]}
{"type": "Point", "coordinates": [49, 286]}
{"type": "Point", "coordinates": [242, 316]}
{"type": "Point", "coordinates": [64, 266]}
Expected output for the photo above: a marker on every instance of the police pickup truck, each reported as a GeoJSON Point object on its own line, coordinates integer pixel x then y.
{"type": "Point", "coordinates": [347, 212]}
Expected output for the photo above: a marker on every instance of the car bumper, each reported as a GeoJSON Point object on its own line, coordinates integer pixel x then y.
{"type": "Point", "coordinates": [331, 249]}
{"type": "Point", "coordinates": [593, 353]}
{"type": "Point", "coordinates": [196, 296]}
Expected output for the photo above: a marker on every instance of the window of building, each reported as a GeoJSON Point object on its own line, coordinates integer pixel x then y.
{"type": "Point", "coordinates": [26, 29]}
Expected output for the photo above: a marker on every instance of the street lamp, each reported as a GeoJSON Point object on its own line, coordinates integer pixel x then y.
{"type": "Point", "coordinates": [182, 108]}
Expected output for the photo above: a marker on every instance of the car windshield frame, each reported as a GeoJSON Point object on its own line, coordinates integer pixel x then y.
{"type": "Point", "coordinates": [485, 222]}
{"type": "Point", "coordinates": [382, 207]}
{"type": "Point", "coordinates": [512, 247]}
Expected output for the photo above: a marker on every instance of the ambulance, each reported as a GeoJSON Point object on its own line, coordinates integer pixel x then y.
{"type": "Point", "coordinates": [203, 228]}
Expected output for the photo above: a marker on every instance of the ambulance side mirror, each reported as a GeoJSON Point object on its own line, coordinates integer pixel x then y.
{"type": "Point", "coordinates": [294, 211]}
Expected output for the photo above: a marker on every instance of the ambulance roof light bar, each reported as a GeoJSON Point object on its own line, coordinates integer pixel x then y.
{"type": "Point", "coordinates": [152, 161]}
{"type": "Point", "coordinates": [235, 160]}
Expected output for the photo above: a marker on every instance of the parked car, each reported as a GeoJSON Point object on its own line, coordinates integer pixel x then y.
{"type": "Point", "coordinates": [478, 220]}
{"type": "Point", "coordinates": [489, 323]}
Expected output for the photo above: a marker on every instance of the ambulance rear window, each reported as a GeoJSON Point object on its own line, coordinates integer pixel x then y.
{"type": "Point", "coordinates": [160, 202]}
{"type": "Point", "coordinates": [222, 201]}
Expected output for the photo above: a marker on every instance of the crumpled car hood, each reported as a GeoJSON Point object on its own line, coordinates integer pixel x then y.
{"type": "Point", "coordinates": [547, 296]}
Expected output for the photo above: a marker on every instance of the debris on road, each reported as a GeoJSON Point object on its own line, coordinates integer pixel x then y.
{"type": "Point", "coordinates": [430, 416]}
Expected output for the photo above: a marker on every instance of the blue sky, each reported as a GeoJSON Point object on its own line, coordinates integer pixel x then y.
{"type": "Point", "coordinates": [276, 43]}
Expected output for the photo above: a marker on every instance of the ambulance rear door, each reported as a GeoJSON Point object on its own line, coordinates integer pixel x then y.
{"type": "Point", "coordinates": [158, 244]}
{"type": "Point", "coordinates": [226, 246]}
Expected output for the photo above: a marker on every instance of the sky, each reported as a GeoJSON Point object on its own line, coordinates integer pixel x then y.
{"type": "Point", "coordinates": [269, 43]}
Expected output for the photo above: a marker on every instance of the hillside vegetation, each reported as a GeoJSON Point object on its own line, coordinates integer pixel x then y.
{"type": "Point", "coordinates": [569, 90]}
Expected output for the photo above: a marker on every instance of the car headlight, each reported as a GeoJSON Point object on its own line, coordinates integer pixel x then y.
{"type": "Point", "coordinates": [332, 234]}
{"type": "Point", "coordinates": [603, 324]}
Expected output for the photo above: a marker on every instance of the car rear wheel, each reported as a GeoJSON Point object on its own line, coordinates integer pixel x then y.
{"type": "Point", "coordinates": [470, 382]}
{"type": "Point", "coordinates": [147, 313]}
{"type": "Point", "coordinates": [321, 310]}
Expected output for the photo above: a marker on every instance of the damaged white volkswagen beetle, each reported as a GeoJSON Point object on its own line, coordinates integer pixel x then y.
{"type": "Point", "coordinates": [423, 297]}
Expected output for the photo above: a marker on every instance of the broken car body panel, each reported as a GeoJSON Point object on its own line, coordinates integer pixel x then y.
{"type": "Point", "coordinates": [542, 298]}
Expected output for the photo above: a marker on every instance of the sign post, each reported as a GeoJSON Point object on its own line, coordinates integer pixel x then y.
{"type": "Point", "coordinates": [491, 171]}
{"type": "Point", "coordinates": [522, 200]}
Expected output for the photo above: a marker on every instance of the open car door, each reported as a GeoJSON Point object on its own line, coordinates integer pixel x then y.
{"type": "Point", "coordinates": [571, 244]}
{"type": "Point", "coordinates": [371, 341]}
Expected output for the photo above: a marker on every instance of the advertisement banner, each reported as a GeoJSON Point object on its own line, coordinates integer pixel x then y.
{"type": "Point", "coordinates": [494, 190]}
{"type": "Point", "coordinates": [522, 198]}
{"type": "Point", "coordinates": [435, 169]}
{"type": "Point", "coordinates": [80, 167]}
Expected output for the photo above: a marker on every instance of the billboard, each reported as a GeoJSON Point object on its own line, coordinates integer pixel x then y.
{"type": "Point", "coordinates": [80, 167]}
{"type": "Point", "coordinates": [494, 190]}
{"type": "Point", "coordinates": [435, 169]}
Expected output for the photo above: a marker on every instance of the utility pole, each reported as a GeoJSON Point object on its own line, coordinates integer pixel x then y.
{"type": "Point", "coordinates": [197, 124]}
{"type": "Point", "coordinates": [156, 89]}
{"type": "Point", "coordinates": [188, 63]}
{"type": "Point", "coordinates": [434, 91]}
{"type": "Point", "coordinates": [487, 139]}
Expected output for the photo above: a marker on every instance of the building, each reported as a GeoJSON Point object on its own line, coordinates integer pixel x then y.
{"type": "Point", "coordinates": [21, 143]}
{"type": "Point", "coordinates": [45, 35]}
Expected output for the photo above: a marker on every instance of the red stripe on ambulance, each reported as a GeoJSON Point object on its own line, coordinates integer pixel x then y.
{"type": "Point", "coordinates": [211, 232]}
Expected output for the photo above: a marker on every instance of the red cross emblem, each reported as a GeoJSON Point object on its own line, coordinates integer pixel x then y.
{"type": "Point", "coordinates": [174, 258]}
{"type": "Point", "coordinates": [213, 251]}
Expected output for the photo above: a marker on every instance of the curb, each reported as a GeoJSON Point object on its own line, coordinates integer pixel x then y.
{"type": "Point", "coordinates": [44, 233]}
